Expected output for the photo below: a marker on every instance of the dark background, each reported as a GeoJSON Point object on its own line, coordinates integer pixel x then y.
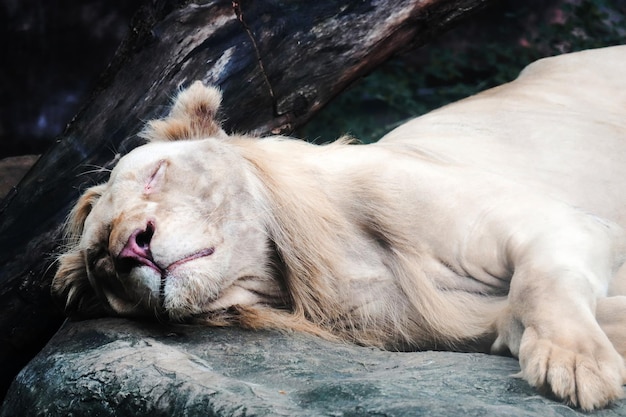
{"type": "Point", "coordinates": [53, 52]}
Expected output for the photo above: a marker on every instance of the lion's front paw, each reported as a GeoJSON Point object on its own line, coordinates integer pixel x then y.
{"type": "Point", "coordinates": [588, 376]}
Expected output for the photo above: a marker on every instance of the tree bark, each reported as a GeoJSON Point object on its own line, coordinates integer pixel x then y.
{"type": "Point", "coordinates": [277, 61]}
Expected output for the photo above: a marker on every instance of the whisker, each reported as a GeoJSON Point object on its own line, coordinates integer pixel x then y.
{"type": "Point", "coordinates": [95, 170]}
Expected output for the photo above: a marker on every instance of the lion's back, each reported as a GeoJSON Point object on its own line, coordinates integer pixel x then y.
{"type": "Point", "coordinates": [559, 127]}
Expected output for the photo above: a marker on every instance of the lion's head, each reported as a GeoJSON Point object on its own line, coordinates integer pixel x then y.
{"type": "Point", "coordinates": [177, 230]}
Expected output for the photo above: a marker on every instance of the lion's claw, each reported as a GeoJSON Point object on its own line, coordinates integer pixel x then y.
{"type": "Point", "coordinates": [588, 380]}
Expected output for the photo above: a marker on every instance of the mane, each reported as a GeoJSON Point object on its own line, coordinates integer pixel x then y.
{"type": "Point", "coordinates": [311, 231]}
{"type": "Point", "coordinates": [299, 226]}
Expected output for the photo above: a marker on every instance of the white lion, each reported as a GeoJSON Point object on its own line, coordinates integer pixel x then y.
{"type": "Point", "coordinates": [492, 223]}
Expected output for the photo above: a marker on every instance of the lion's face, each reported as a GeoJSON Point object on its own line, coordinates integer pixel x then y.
{"type": "Point", "coordinates": [173, 230]}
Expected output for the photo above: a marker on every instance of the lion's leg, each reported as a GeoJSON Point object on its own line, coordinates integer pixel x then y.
{"type": "Point", "coordinates": [551, 324]}
{"type": "Point", "coordinates": [611, 315]}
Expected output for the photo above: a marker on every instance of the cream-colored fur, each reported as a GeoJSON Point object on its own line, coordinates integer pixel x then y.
{"type": "Point", "coordinates": [495, 222]}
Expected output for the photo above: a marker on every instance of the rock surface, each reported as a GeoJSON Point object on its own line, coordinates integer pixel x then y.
{"type": "Point", "coordinates": [116, 367]}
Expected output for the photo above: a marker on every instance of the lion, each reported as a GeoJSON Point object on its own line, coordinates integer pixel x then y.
{"type": "Point", "coordinates": [494, 224]}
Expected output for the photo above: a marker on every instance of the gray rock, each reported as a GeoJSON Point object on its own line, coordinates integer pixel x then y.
{"type": "Point", "coordinates": [115, 367]}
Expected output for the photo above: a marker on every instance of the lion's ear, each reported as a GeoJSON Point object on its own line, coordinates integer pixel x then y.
{"type": "Point", "coordinates": [70, 285]}
{"type": "Point", "coordinates": [71, 289]}
{"type": "Point", "coordinates": [193, 116]}
{"type": "Point", "coordinates": [76, 220]}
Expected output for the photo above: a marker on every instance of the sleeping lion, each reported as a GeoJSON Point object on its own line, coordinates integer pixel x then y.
{"type": "Point", "coordinates": [492, 224]}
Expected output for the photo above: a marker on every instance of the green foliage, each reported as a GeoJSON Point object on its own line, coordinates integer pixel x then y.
{"type": "Point", "coordinates": [401, 89]}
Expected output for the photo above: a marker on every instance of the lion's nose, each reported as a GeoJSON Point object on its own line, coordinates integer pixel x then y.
{"type": "Point", "coordinates": [137, 252]}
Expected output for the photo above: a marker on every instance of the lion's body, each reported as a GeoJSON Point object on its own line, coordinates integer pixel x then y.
{"type": "Point", "coordinates": [497, 221]}
{"type": "Point", "coordinates": [511, 130]}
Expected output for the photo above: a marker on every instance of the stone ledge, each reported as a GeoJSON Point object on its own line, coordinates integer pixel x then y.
{"type": "Point", "coordinates": [116, 367]}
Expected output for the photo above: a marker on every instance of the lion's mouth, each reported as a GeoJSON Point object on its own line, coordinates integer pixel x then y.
{"type": "Point", "coordinates": [196, 255]}
{"type": "Point", "coordinates": [138, 252]}
{"type": "Point", "coordinates": [126, 265]}
{"type": "Point", "coordinates": [164, 271]}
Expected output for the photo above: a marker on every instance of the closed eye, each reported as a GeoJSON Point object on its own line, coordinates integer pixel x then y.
{"type": "Point", "coordinates": [156, 179]}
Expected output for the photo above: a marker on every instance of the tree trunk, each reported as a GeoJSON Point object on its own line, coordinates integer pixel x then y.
{"type": "Point", "coordinates": [278, 62]}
